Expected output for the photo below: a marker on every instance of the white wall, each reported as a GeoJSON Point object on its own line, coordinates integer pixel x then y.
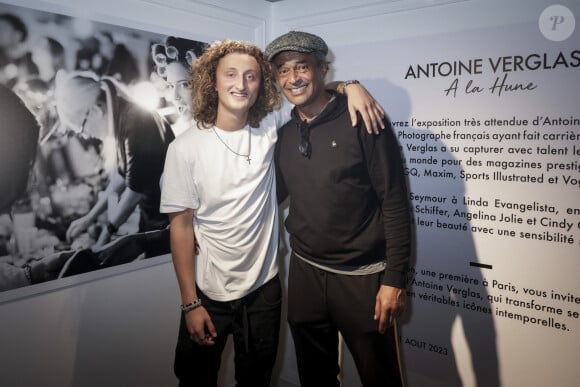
{"type": "Point", "coordinates": [116, 331]}
{"type": "Point", "coordinates": [343, 22]}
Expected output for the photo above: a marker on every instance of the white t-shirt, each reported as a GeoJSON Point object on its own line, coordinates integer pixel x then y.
{"type": "Point", "coordinates": [234, 203]}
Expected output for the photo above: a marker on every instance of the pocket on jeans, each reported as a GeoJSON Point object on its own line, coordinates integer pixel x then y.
{"type": "Point", "coordinates": [271, 292]}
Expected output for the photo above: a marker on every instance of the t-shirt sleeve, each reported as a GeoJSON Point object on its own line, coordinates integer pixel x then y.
{"type": "Point", "coordinates": [177, 183]}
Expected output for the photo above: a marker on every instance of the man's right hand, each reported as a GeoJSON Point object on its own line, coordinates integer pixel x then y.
{"type": "Point", "coordinates": [200, 327]}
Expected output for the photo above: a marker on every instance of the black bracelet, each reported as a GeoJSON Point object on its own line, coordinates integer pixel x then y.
{"type": "Point", "coordinates": [191, 306]}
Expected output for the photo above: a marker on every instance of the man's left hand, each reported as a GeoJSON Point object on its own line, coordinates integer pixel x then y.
{"type": "Point", "coordinates": [371, 111]}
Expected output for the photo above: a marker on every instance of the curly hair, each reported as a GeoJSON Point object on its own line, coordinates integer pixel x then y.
{"type": "Point", "coordinates": [205, 97]}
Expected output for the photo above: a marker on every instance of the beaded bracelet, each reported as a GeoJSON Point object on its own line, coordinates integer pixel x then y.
{"type": "Point", "coordinates": [191, 306]}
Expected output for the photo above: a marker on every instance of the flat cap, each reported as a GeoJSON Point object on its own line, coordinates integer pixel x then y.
{"type": "Point", "coordinates": [296, 41]}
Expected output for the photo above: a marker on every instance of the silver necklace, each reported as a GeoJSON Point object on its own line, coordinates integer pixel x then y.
{"type": "Point", "coordinates": [248, 159]}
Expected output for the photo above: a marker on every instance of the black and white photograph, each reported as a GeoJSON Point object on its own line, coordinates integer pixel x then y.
{"type": "Point", "coordinates": [88, 110]}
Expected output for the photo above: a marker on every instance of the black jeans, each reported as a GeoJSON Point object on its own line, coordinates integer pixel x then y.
{"type": "Point", "coordinates": [254, 322]}
{"type": "Point", "coordinates": [320, 304]}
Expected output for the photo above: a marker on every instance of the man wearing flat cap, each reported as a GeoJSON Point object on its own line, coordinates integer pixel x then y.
{"type": "Point", "coordinates": [349, 223]}
{"type": "Point", "coordinates": [297, 41]}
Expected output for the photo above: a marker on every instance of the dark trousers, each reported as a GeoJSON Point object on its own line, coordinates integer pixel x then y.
{"type": "Point", "coordinates": [320, 304]}
{"type": "Point", "coordinates": [254, 322]}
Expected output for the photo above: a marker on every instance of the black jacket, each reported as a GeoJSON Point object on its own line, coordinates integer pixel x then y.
{"type": "Point", "coordinates": [348, 200]}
